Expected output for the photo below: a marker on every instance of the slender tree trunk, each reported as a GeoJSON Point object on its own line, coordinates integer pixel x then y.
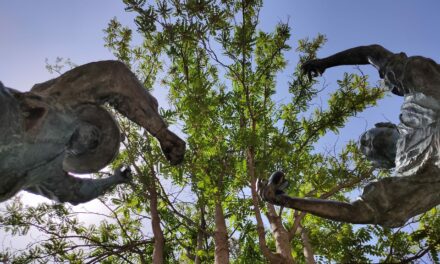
{"type": "Point", "coordinates": [200, 235]}
{"type": "Point", "coordinates": [281, 235]}
{"type": "Point", "coordinates": [272, 257]}
{"type": "Point", "coordinates": [159, 239]}
{"type": "Point", "coordinates": [308, 249]}
{"type": "Point", "coordinates": [150, 193]}
{"type": "Point", "coordinates": [197, 259]}
{"type": "Point", "coordinates": [221, 234]}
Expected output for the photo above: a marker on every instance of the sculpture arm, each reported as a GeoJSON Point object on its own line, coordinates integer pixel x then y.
{"type": "Point", "coordinates": [113, 82]}
{"type": "Point", "coordinates": [375, 55]}
{"type": "Point", "coordinates": [68, 188]}
{"type": "Point", "coordinates": [273, 191]}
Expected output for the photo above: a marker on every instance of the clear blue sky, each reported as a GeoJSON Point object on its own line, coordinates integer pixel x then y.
{"type": "Point", "coordinates": [32, 31]}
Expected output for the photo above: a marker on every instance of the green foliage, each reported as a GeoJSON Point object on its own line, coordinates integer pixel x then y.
{"type": "Point", "coordinates": [221, 73]}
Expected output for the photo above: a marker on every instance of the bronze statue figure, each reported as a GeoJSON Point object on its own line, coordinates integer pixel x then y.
{"type": "Point", "coordinates": [412, 147]}
{"type": "Point", "coordinates": [60, 126]}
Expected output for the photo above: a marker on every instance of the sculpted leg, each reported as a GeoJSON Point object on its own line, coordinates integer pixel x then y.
{"type": "Point", "coordinates": [112, 82]}
{"type": "Point", "coordinates": [67, 188]}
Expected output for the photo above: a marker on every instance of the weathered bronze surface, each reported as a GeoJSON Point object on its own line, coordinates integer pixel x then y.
{"type": "Point", "coordinates": [60, 126]}
{"type": "Point", "coordinates": [412, 146]}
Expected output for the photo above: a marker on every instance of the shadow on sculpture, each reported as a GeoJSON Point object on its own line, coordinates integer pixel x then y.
{"type": "Point", "coordinates": [60, 126]}
{"type": "Point", "coordinates": [412, 147]}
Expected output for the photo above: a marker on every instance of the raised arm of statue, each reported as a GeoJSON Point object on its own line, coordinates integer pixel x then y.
{"type": "Point", "coordinates": [375, 55]}
{"type": "Point", "coordinates": [402, 74]}
{"type": "Point", "coordinates": [112, 82]}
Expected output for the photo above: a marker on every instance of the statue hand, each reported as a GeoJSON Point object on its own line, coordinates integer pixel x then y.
{"type": "Point", "coordinates": [268, 190]}
{"type": "Point", "coordinates": [313, 68]}
{"type": "Point", "coordinates": [123, 174]}
{"type": "Point", "coordinates": [261, 189]}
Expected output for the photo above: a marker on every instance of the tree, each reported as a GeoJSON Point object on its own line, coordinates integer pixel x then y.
{"type": "Point", "coordinates": [221, 70]}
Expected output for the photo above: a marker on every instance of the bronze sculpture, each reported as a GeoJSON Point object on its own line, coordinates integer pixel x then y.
{"type": "Point", "coordinates": [60, 126]}
{"type": "Point", "coordinates": [412, 147]}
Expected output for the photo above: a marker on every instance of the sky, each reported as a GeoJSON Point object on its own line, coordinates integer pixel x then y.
{"type": "Point", "coordinates": [33, 31]}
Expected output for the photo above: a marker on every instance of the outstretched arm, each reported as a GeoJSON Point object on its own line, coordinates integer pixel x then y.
{"type": "Point", "coordinates": [112, 82]}
{"type": "Point", "coordinates": [375, 55]}
{"type": "Point", "coordinates": [67, 188]}
{"type": "Point", "coordinates": [272, 191]}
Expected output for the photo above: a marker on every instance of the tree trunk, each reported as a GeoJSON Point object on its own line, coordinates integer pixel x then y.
{"type": "Point", "coordinates": [308, 249]}
{"type": "Point", "coordinates": [200, 235]}
{"type": "Point", "coordinates": [220, 235]}
{"type": "Point", "coordinates": [272, 257]}
{"type": "Point", "coordinates": [159, 239]}
{"type": "Point", "coordinates": [281, 235]}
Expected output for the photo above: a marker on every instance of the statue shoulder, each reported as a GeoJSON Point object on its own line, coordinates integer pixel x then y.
{"type": "Point", "coordinates": [422, 74]}
{"type": "Point", "coordinates": [406, 75]}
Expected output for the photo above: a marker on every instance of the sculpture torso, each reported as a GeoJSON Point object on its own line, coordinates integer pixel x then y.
{"type": "Point", "coordinates": [419, 134]}
{"type": "Point", "coordinates": [417, 79]}
{"type": "Point", "coordinates": [29, 156]}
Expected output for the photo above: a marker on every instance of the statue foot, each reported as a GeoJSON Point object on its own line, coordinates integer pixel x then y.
{"type": "Point", "coordinates": [269, 190]}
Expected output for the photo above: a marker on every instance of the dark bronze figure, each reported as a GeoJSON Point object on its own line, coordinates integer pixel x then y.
{"type": "Point", "coordinates": [60, 126]}
{"type": "Point", "coordinates": [412, 147]}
